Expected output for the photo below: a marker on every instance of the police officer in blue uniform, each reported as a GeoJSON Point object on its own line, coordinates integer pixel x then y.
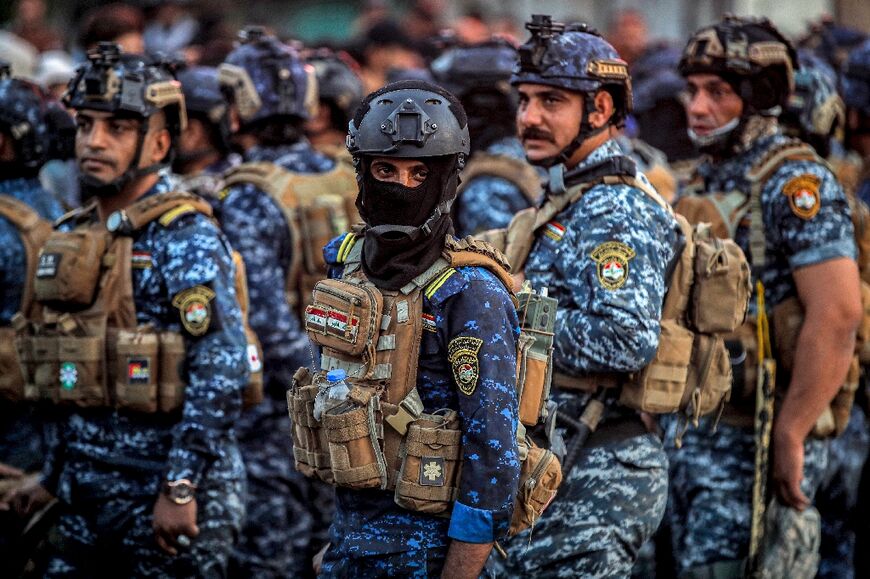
{"type": "Point", "coordinates": [204, 147]}
{"type": "Point", "coordinates": [605, 258]}
{"type": "Point", "coordinates": [408, 176]}
{"type": "Point", "coordinates": [808, 241]}
{"type": "Point", "coordinates": [497, 182]}
{"type": "Point", "coordinates": [148, 494]}
{"type": "Point", "coordinates": [270, 93]}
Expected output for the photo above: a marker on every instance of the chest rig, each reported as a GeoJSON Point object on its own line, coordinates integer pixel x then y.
{"type": "Point", "coordinates": [85, 347]}
{"type": "Point", "coordinates": [690, 373]}
{"type": "Point", "coordinates": [380, 437]}
{"type": "Point", "coordinates": [33, 231]}
{"type": "Point", "coordinates": [317, 207]}
{"type": "Point", "coordinates": [726, 212]}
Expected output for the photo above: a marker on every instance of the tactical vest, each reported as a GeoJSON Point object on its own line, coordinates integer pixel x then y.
{"type": "Point", "coordinates": [725, 212]}
{"type": "Point", "coordinates": [318, 207]}
{"type": "Point", "coordinates": [33, 231]}
{"type": "Point", "coordinates": [85, 348]}
{"type": "Point", "coordinates": [518, 172]}
{"type": "Point", "coordinates": [708, 293]}
{"type": "Point", "coordinates": [380, 437]}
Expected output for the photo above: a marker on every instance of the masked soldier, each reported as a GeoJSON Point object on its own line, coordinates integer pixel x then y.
{"type": "Point", "coordinates": [279, 208]}
{"type": "Point", "coordinates": [784, 207]}
{"type": "Point", "coordinates": [602, 241]}
{"type": "Point", "coordinates": [498, 182]}
{"type": "Point", "coordinates": [26, 213]}
{"type": "Point", "coordinates": [139, 342]}
{"type": "Point", "coordinates": [442, 373]}
{"type": "Point", "coordinates": [204, 147]}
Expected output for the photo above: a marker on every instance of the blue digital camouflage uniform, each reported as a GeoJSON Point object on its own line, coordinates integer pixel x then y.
{"type": "Point", "coordinates": [490, 202]}
{"type": "Point", "coordinates": [370, 535]}
{"type": "Point", "coordinates": [614, 497]}
{"type": "Point", "coordinates": [20, 439]}
{"type": "Point", "coordinates": [837, 498]}
{"type": "Point", "coordinates": [108, 465]}
{"type": "Point", "coordinates": [287, 514]}
{"type": "Point", "coordinates": [711, 476]}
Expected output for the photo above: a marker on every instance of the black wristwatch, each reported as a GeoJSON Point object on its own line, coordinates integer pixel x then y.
{"type": "Point", "coordinates": [179, 491]}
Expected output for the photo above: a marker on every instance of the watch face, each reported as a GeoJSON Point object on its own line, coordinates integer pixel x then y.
{"type": "Point", "coordinates": [180, 492]}
{"type": "Point", "coordinates": [114, 221]}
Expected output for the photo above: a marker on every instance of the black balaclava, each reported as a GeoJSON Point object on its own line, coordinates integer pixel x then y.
{"type": "Point", "coordinates": [406, 227]}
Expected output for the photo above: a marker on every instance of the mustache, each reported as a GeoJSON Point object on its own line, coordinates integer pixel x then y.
{"type": "Point", "coordinates": [538, 134]}
{"type": "Point", "coordinates": [110, 162]}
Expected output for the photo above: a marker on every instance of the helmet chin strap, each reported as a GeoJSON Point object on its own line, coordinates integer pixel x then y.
{"type": "Point", "coordinates": [91, 186]}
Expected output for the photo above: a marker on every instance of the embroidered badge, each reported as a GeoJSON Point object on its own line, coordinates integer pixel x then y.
{"type": "Point", "coordinates": [254, 362]}
{"type": "Point", "coordinates": [803, 195]}
{"type": "Point", "coordinates": [46, 268]}
{"type": "Point", "coordinates": [194, 305]}
{"type": "Point", "coordinates": [138, 371]}
{"type": "Point", "coordinates": [462, 354]}
{"type": "Point", "coordinates": [432, 471]}
{"type": "Point", "coordinates": [141, 260]}
{"type": "Point", "coordinates": [554, 230]}
{"type": "Point", "coordinates": [429, 323]}
{"type": "Point", "coordinates": [326, 320]}
{"type": "Point", "coordinates": [69, 376]}
{"type": "Point", "coordinates": [612, 258]}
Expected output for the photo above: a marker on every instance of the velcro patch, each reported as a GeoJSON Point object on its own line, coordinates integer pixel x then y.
{"type": "Point", "coordinates": [432, 471]}
{"type": "Point", "coordinates": [141, 260]}
{"type": "Point", "coordinates": [612, 259]}
{"type": "Point", "coordinates": [324, 320]}
{"type": "Point", "coordinates": [803, 195]}
{"type": "Point", "coordinates": [429, 323]}
{"type": "Point", "coordinates": [462, 353]}
{"type": "Point", "coordinates": [138, 371]}
{"type": "Point", "coordinates": [47, 266]}
{"type": "Point", "coordinates": [554, 230]}
{"type": "Point", "coordinates": [255, 364]}
{"type": "Point", "coordinates": [195, 309]}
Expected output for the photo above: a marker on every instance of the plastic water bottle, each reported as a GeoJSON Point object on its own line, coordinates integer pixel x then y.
{"type": "Point", "coordinates": [338, 389]}
{"type": "Point", "coordinates": [332, 393]}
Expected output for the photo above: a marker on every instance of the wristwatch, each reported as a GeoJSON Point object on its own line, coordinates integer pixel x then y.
{"type": "Point", "coordinates": [179, 491]}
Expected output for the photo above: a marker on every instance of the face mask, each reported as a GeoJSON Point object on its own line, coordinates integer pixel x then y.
{"type": "Point", "coordinates": [715, 137]}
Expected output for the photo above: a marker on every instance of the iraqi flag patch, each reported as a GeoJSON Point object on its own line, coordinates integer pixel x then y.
{"type": "Point", "coordinates": [554, 230]}
{"type": "Point", "coordinates": [429, 323]}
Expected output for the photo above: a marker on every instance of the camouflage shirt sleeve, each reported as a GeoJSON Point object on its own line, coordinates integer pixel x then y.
{"type": "Point", "coordinates": [611, 264]}
{"type": "Point", "coordinates": [257, 229]}
{"type": "Point", "coordinates": [807, 215]}
{"type": "Point", "coordinates": [480, 332]}
{"type": "Point", "coordinates": [488, 203]}
{"type": "Point", "coordinates": [197, 256]}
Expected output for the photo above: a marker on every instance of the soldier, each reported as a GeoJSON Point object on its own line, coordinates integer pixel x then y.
{"type": "Point", "coordinates": [264, 210]}
{"type": "Point", "coordinates": [26, 213]}
{"type": "Point", "coordinates": [204, 148]}
{"type": "Point", "coordinates": [141, 344]}
{"type": "Point", "coordinates": [603, 251]}
{"type": "Point", "coordinates": [339, 92]}
{"type": "Point", "coordinates": [788, 213]}
{"type": "Point", "coordinates": [855, 81]}
{"type": "Point", "coordinates": [498, 182]}
{"type": "Point", "coordinates": [446, 355]}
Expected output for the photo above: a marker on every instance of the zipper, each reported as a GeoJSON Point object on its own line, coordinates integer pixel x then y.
{"type": "Point", "coordinates": [350, 298]}
{"type": "Point", "coordinates": [532, 481]}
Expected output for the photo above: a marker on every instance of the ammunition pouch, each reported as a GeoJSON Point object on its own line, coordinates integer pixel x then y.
{"type": "Point", "coordinates": [11, 378]}
{"type": "Point", "coordinates": [69, 268]}
{"type": "Point", "coordinates": [540, 477]}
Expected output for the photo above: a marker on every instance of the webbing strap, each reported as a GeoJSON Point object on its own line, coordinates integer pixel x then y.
{"type": "Point", "coordinates": [424, 493]}
{"type": "Point", "coordinates": [409, 410]}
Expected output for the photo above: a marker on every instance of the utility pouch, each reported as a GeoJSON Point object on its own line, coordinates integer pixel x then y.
{"type": "Point", "coordinates": [709, 384]}
{"type": "Point", "coordinates": [660, 386]}
{"type": "Point", "coordinates": [82, 371]}
{"type": "Point", "coordinates": [537, 314]}
{"type": "Point", "coordinates": [310, 445]}
{"type": "Point", "coordinates": [540, 477]}
{"type": "Point", "coordinates": [701, 209]}
{"type": "Point", "coordinates": [39, 359]}
{"type": "Point", "coordinates": [722, 288]}
{"type": "Point", "coordinates": [253, 391]}
{"type": "Point", "coordinates": [137, 369]}
{"type": "Point", "coordinates": [344, 316]}
{"type": "Point", "coordinates": [354, 431]}
{"type": "Point", "coordinates": [11, 377]}
{"type": "Point", "coordinates": [171, 386]}
{"type": "Point", "coordinates": [431, 459]}
{"type": "Point", "coordinates": [69, 267]}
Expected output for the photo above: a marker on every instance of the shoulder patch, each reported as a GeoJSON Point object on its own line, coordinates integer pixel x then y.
{"type": "Point", "coordinates": [462, 353]}
{"type": "Point", "coordinates": [803, 195]}
{"type": "Point", "coordinates": [195, 309]}
{"type": "Point", "coordinates": [612, 259]}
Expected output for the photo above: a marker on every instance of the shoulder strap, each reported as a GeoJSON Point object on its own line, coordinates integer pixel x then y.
{"type": "Point", "coordinates": [264, 175]}
{"type": "Point", "coordinates": [76, 215]}
{"type": "Point", "coordinates": [167, 207]}
{"type": "Point", "coordinates": [516, 171]}
{"type": "Point", "coordinates": [34, 231]}
{"type": "Point", "coordinates": [474, 252]}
